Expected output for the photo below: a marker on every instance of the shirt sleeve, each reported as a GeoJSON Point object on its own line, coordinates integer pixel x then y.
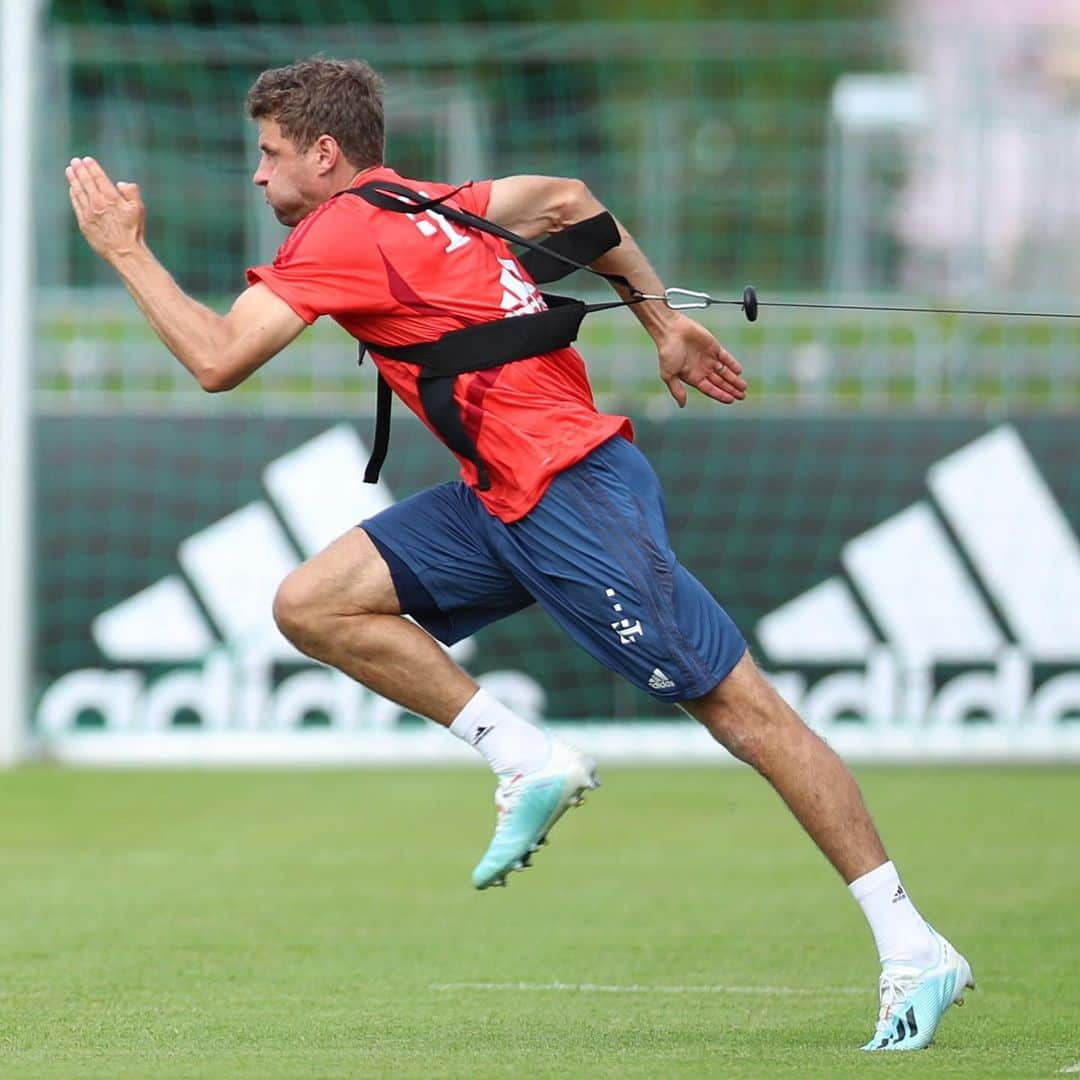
{"type": "Point", "coordinates": [475, 197]}
{"type": "Point", "coordinates": [317, 272]}
{"type": "Point", "coordinates": [284, 287]}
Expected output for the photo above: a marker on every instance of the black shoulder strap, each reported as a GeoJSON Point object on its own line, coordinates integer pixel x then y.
{"type": "Point", "coordinates": [559, 248]}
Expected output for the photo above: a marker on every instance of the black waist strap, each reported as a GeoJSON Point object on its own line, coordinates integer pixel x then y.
{"type": "Point", "coordinates": [490, 344]}
{"type": "Point", "coordinates": [487, 345]}
{"type": "Point", "coordinates": [473, 348]}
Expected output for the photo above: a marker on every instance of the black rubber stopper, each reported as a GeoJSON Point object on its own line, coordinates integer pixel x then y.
{"type": "Point", "coordinates": [749, 303]}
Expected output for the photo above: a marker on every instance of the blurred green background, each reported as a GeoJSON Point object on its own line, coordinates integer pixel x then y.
{"type": "Point", "coordinates": [817, 150]}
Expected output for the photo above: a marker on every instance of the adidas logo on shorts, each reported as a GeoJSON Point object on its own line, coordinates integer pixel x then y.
{"type": "Point", "coordinates": [659, 681]}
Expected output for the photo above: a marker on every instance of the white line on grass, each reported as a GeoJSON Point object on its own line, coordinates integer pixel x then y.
{"type": "Point", "coordinates": [1071, 1068]}
{"type": "Point", "coordinates": [641, 988]}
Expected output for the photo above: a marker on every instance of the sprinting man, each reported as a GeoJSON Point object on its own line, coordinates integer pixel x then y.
{"type": "Point", "coordinates": [555, 505]}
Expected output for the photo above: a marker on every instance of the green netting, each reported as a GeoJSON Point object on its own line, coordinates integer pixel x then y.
{"type": "Point", "coordinates": [710, 136]}
{"type": "Point", "coordinates": [814, 150]}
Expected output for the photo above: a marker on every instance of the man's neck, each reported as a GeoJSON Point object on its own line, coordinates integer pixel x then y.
{"type": "Point", "coordinates": [359, 176]}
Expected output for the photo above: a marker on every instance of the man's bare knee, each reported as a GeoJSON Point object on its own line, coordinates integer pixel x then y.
{"type": "Point", "coordinates": [349, 579]}
{"type": "Point", "coordinates": [293, 607]}
{"type": "Point", "coordinates": [745, 714]}
{"type": "Point", "coordinates": [747, 734]}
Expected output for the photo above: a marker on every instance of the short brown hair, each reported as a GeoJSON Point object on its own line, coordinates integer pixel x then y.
{"type": "Point", "coordinates": [342, 98]}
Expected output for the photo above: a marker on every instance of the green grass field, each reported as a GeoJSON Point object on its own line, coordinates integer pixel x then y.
{"type": "Point", "coordinates": [311, 924]}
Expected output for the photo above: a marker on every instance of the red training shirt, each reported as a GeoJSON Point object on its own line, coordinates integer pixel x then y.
{"type": "Point", "coordinates": [398, 279]}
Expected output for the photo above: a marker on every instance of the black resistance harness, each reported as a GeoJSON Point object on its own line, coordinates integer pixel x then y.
{"type": "Point", "coordinates": [489, 344]}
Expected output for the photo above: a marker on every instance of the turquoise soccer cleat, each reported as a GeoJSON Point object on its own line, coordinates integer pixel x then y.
{"type": "Point", "coordinates": [913, 1002]}
{"type": "Point", "coordinates": [529, 805]}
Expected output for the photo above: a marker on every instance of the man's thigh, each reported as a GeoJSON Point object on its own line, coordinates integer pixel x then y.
{"type": "Point", "coordinates": [438, 547]}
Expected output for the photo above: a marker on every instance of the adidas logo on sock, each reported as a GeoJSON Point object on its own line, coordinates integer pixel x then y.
{"type": "Point", "coordinates": [659, 681]}
{"type": "Point", "coordinates": [480, 732]}
{"type": "Point", "coordinates": [899, 894]}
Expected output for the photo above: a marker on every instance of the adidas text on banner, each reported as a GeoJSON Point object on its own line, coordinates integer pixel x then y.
{"type": "Point", "coordinates": [1008, 541]}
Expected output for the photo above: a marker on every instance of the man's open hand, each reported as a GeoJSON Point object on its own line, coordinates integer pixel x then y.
{"type": "Point", "coordinates": [110, 216]}
{"type": "Point", "coordinates": [691, 356]}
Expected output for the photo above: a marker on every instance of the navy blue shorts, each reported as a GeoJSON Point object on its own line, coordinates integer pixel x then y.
{"type": "Point", "coordinates": [594, 553]}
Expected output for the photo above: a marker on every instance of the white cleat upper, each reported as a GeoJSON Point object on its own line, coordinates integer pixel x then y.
{"type": "Point", "coordinates": [913, 1001]}
{"type": "Point", "coordinates": [529, 804]}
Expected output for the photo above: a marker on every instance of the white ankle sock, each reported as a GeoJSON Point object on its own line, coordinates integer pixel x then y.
{"type": "Point", "coordinates": [510, 744]}
{"type": "Point", "coordinates": [900, 932]}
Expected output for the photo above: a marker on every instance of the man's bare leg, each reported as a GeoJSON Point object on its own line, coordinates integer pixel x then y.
{"type": "Point", "coordinates": [922, 973]}
{"type": "Point", "coordinates": [748, 717]}
{"type": "Point", "coordinates": [341, 608]}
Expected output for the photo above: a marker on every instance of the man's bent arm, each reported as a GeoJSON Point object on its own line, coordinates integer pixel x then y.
{"type": "Point", "coordinates": [220, 351]}
{"type": "Point", "coordinates": [533, 206]}
{"type": "Point", "coordinates": [689, 354]}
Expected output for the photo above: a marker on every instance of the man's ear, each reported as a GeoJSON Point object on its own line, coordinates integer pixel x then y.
{"type": "Point", "coordinates": [327, 153]}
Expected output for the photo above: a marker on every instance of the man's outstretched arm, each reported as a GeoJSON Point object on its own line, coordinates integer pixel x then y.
{"type": "Point", "coordinates": [689, 355]}
{"type": "Point", "coordinates": [220, 351]}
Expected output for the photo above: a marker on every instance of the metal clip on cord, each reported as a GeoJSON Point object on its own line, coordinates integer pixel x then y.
{"type": "Point", "coordinates": [700, 299]}
{"type": "Point", "coordinates": [686, 299]}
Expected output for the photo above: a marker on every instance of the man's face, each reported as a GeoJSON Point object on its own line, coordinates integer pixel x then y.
{"type": "Point", "coordinates": [290, 178]}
